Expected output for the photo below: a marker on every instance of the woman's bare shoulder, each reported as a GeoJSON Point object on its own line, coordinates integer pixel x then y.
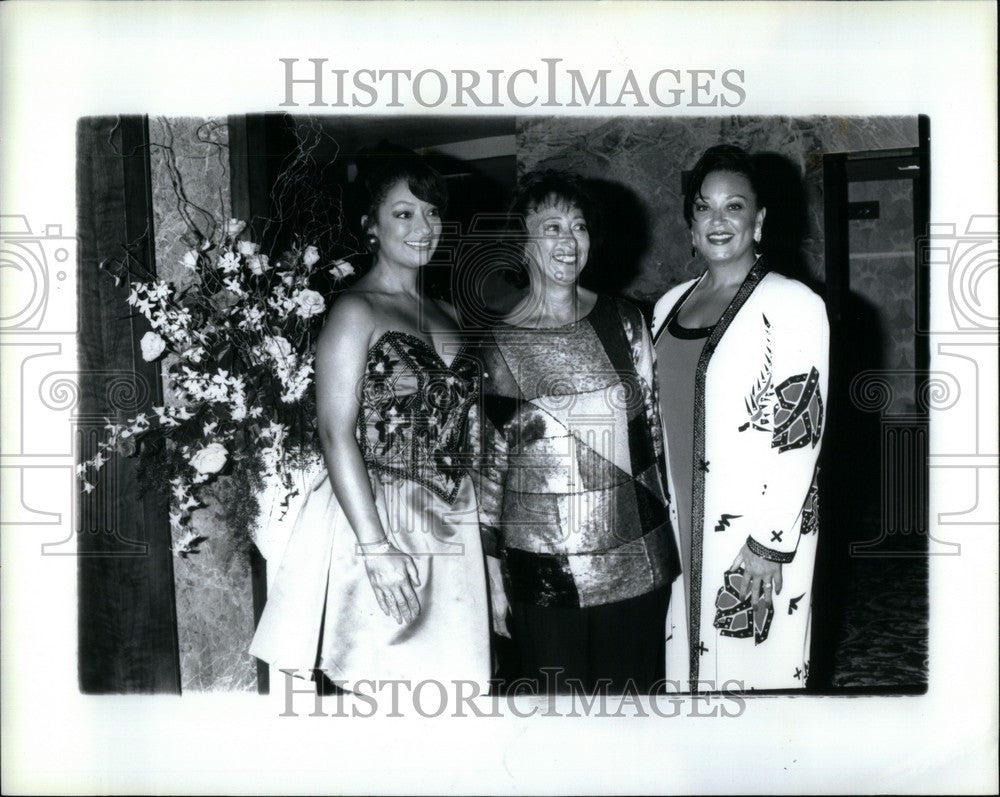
{"type": "Point", "coordinates": [352, 313]}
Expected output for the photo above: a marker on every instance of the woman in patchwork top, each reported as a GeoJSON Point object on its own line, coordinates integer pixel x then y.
{"type": "Point", "coordinates": [743, 354]}
{"type": "Point", "coordinates": [572, 486]}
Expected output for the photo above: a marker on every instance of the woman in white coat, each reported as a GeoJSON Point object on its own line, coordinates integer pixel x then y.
{"type": "Point", "coordinates": [743, 363]}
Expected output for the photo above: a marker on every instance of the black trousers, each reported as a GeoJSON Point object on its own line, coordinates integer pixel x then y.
{"type": "Point", "coordinates": [616, 647]}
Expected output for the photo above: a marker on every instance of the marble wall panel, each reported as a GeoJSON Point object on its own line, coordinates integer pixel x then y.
{"type": "Point", "coordinates": [190, 183]}
{"type": "Point", "coordinates": [641, 161]}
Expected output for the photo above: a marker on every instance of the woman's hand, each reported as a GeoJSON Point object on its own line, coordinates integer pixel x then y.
{"type": "Point", "coordinates": [393, 576]}
{"type": "Point", "coordinates": [498, 597]}
{"type": "Point", "coordinates": [759, 572]}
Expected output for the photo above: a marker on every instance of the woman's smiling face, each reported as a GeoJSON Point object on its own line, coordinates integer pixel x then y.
{"type": "Point", "coordinates": [725, 219]}
{"type": "Point", "coordinates": [408, 228]}
{"type": "Point", "coordinates": [559, 244]}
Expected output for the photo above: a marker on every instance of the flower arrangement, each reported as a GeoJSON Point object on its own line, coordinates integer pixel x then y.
{"type": "Point", "coordinates": [236, 336]}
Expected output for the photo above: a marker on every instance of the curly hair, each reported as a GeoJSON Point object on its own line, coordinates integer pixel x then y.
{"type": "Point", "coordinates": [720, 158]}
{"type": "Point", "coordinates": [548, 188]}
{"type": "Point", "coordinates": [388, 167]}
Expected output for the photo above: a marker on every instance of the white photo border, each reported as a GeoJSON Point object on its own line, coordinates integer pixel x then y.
{"type": "Point", "coordinates": [64, 60]}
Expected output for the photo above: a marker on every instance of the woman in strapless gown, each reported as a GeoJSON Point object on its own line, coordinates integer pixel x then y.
{"type": "Point", "coordinates": [383, 577]}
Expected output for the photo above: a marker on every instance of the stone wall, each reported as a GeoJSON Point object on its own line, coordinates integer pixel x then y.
{"type": "Point", "coordinates": [190, 159]}
{"type": "Point", "coordinates": [637, 163]}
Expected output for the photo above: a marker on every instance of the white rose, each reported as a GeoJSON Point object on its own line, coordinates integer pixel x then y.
{"type": "Point", "coordinates": [277, 347]}
{"type": "Point", "coordinates": [341, 269]}
{"type": "Point", "coordinates": [247, 248]}
{"type": "Point", "coordinates": [152, 346]}
{"type": "Point", "coordinates": [309, 303]}
{"type": "Point", "coordinates": [190, 259]}
{"type": "Point", "coordinates": [311, 256]}
{"type": "Point", "coordinates": [210, 459]}
{"type": "Point", "coordinates": [234, 227]}
{"type": "Point", "coordinates": [258, 264]}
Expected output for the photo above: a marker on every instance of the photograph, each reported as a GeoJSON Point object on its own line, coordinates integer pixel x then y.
{"type": "Point", "coordinates": [257, 231]}
{"type": "Point", "coordinates": [505, 397]}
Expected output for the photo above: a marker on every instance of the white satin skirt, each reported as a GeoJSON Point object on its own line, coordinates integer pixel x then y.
{"type": "Point", "coordinates": [321, 611]}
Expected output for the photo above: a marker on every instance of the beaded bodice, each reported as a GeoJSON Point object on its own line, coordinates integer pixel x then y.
{"type": "Point", "coordinates": [414, 413]}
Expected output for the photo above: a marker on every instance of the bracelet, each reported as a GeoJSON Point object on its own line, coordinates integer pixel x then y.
{"type": "Point", "coordinates": [769, 554]}
{"type": "Point", "coordinates": [370, 548]}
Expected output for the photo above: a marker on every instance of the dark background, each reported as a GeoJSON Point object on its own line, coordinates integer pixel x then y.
{"type": "Point", "coordinates": [870, 598]}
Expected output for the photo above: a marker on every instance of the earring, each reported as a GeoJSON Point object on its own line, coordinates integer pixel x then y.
{"type": "Point", "coordinates": [756, 246]}
{"type": "Point", "coordinates": [372, 243]}
{"type": "Point", "coordinates": [694, 252]}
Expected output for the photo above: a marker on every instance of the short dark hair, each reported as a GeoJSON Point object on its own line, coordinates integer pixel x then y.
{"type": "Point", "coordinates": [720, 158]}
{"type": "Point", "coordinates": [547, 188]}
{"type": "Point", "coordinates": [387, 168]}
{"type": "Point", "coordinates": [550, 187]}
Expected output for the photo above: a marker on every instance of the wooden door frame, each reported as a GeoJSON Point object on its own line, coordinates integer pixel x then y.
{"type": "Point", "coordinates": [127, 616]}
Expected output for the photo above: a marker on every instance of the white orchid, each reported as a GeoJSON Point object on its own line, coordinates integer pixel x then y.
{"type": "Point", "coordinates": [186, 544]}
{"type": "Point", "coordinates": [194, 354]}
{"type": "Point", "coordinates": [229, 262]}
{"type": "Point", "coordinates": [233, 284]}
{"type": "Point", "coordinates": [190, 259]}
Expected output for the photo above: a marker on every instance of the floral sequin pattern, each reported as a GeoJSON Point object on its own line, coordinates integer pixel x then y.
{"type": "Point", "coordinates": [414, 413]}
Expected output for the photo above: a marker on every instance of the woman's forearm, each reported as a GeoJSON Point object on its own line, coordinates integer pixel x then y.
{"type": "Point", "coordinates": [349, 479]}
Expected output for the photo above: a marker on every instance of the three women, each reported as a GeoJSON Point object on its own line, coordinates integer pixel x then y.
{"type": "Point", "coordinates": [385, 575]}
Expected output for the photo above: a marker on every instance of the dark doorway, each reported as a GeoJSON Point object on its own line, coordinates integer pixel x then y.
{"type": "Point", "coordinates": [874, 464]}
